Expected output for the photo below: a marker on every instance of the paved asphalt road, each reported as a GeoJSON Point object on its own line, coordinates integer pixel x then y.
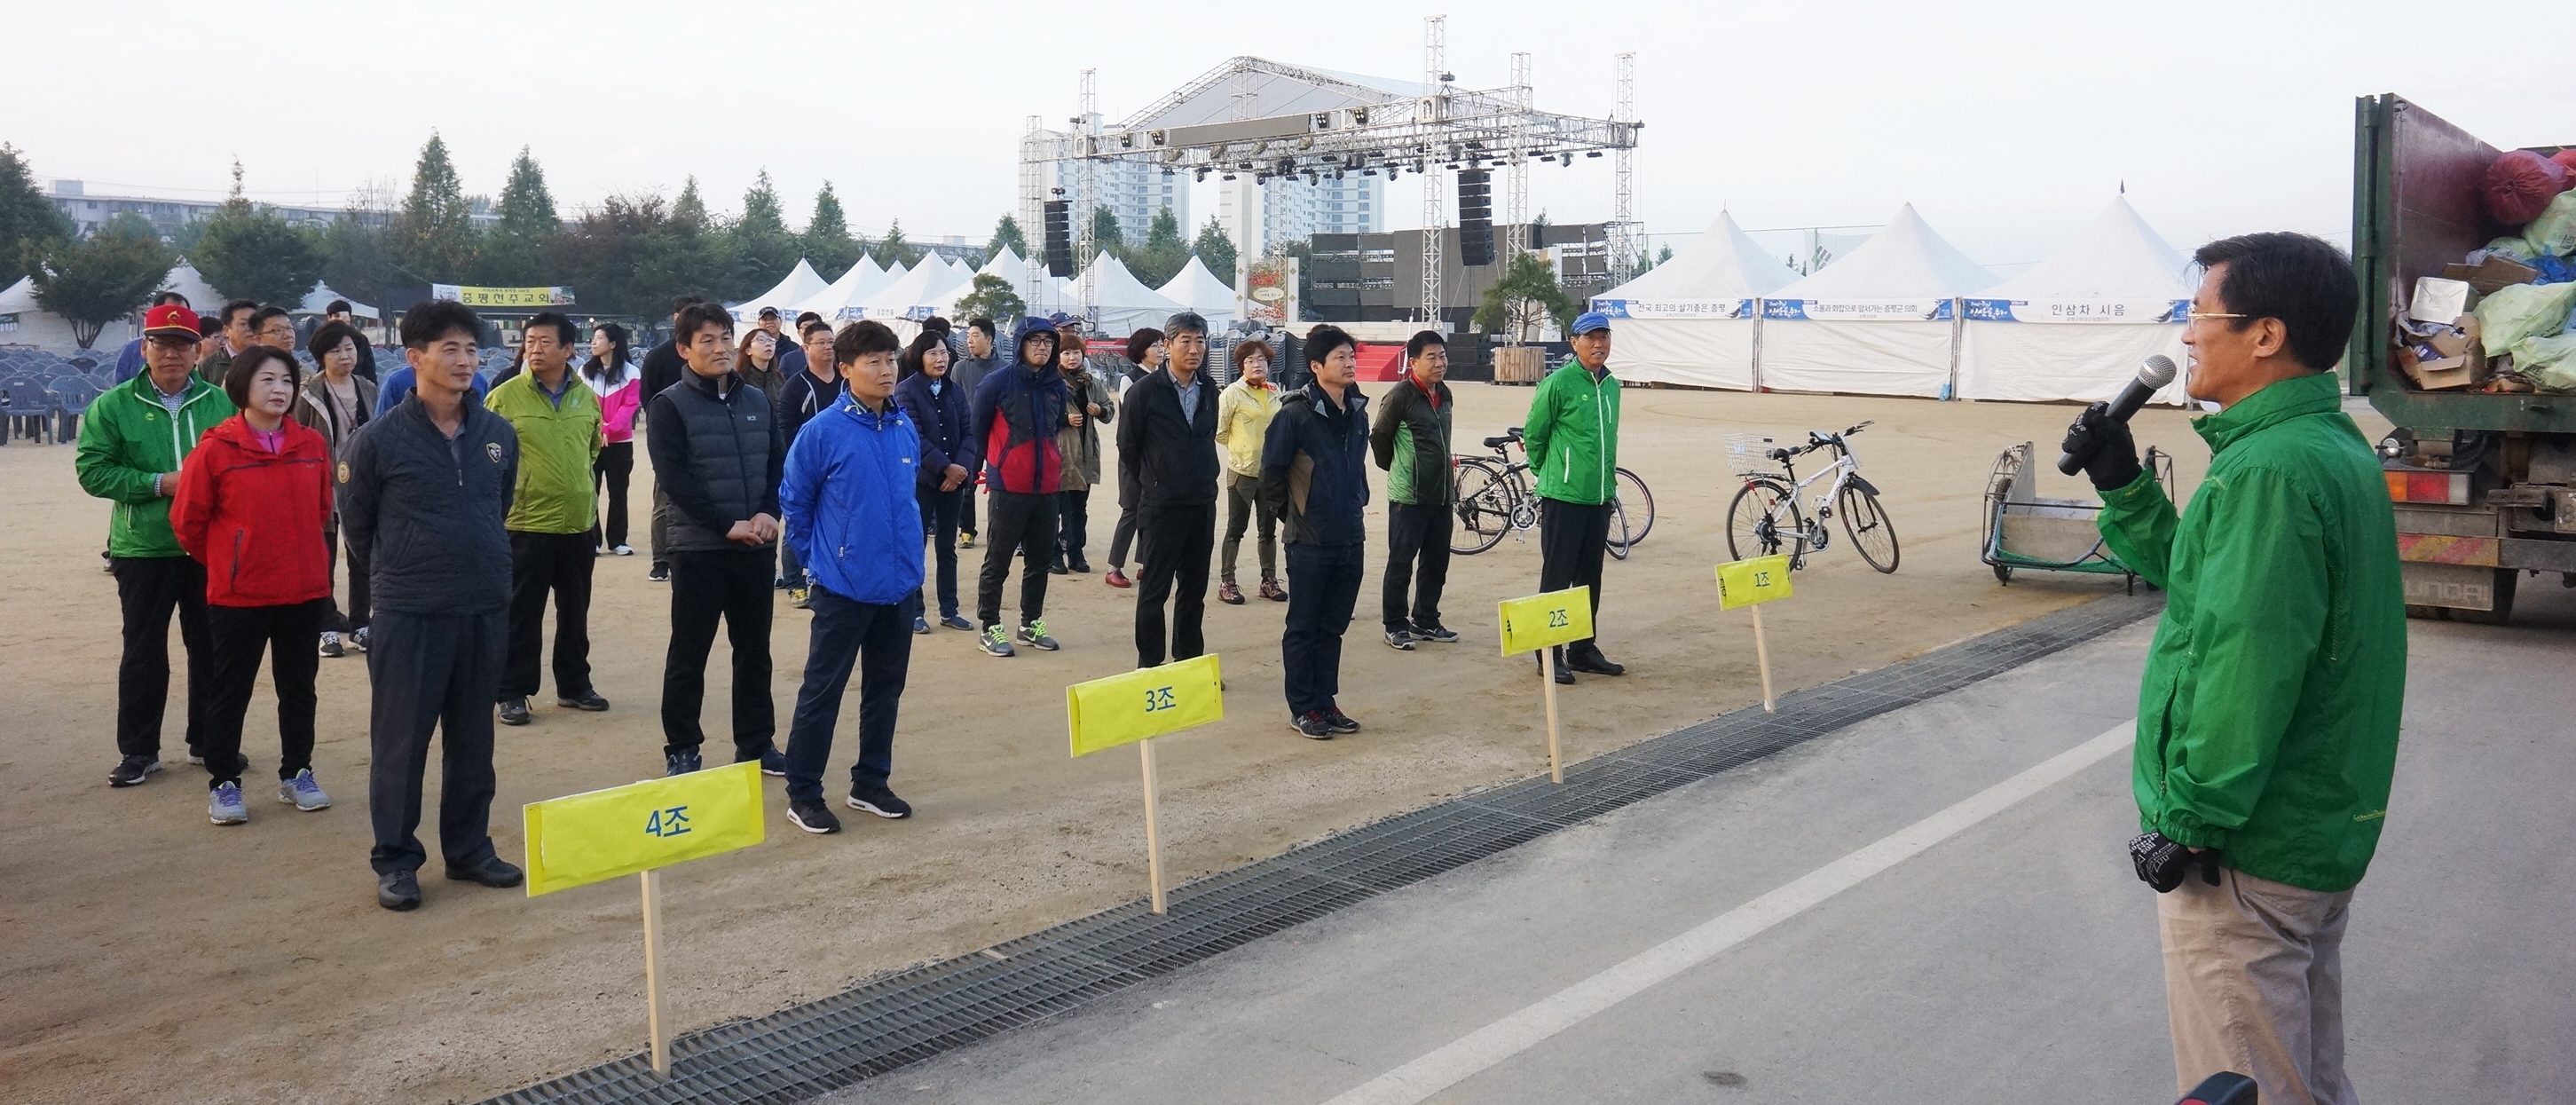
{"type": "Point", "coordinates": [2013, 961]}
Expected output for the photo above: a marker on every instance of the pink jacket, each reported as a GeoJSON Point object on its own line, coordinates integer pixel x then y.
{"type": "Point", "coordinates": [618, 403]}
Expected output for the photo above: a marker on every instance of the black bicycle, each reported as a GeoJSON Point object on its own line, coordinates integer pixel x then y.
{"type": "Point", "coordinates": [1495, 498]}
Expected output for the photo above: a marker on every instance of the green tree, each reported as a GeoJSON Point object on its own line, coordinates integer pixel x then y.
{"type": "Point", "coordinates": [1164, 253]}
{"type": "Point", "coordinates": [247, 251]}
{"type": "Point", "coordinates": [1215, 249]}
{"type": "Point", "coordinates": [92, 282]}
{"type": "Point", "coordinates": [30, 224]}
{"type": "Point", "coordinates": [827, 239]}
{"type": "Point", "coordinates": [894, 248]}
{"type": "Point", "coordinates": [990, 297]}
{"type": "Point", "coordinates": [434, 239]}
{"type": "Point", "coordinates": [1105, 235]}
{"type": "Point", "coordinates": [514, 253]}
{"type": "Point", "coordinates": [690, 209]}
{"type": "Point", "coordinates": [764, 252]}
{"type": "Point", "coordinates": [1006, 234]}
{"type": "Point", "coordinates": [604, 250]}
{"type": "Point", "coordinates": [1526, 296]}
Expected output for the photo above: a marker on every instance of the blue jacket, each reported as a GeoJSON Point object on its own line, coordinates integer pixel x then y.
{"type": "Point", "coordinates": [945, 422]}
{"type": "Point", "coordinates": [1314, 467]}
{"type": "Point", "coordinates": [848, 502]}
{"type": "Point", "coordinates": [396, 387]}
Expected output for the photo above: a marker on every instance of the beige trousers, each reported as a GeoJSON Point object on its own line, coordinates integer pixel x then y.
{"type": "Point", "coordinates": [2254, 985]}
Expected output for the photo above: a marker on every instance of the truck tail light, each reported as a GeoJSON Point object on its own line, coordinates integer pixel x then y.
{"type": "Point", "coordinates": [2428, 487]}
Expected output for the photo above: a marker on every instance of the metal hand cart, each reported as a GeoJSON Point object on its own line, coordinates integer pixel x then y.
{"type": "Point", "coordinates": [2028, 531]}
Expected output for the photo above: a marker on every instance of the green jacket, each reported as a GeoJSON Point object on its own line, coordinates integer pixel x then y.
{"type": "Point", "coordinates": [557, 444]}
{"type": "Point", "coordinates": [2267, 720]}
{"type": "Point", "coordinates": [1573, 435]}
{"type": "Point", "coordinates": [1412, 443]}
{"type": "Point", "coordinates": [126, 438]}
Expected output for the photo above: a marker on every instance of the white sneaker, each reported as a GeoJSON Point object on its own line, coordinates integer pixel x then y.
{"type": "Point", "coordinates": [331, 643]}
{"type": "Point", "coordinates": [302, 792]}
{"type": "Point", "coordinates": [623, 550]}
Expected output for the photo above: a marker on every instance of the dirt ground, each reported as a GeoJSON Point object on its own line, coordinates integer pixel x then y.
{"type": "Point", "coordinates": [148, 955]}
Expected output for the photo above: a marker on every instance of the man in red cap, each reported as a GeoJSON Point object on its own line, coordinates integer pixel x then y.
{"type": "Point", "coordinates": [132, 445]}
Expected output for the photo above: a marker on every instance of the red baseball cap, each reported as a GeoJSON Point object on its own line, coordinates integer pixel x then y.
{"type": "Point", "coordinates": [171, 319]}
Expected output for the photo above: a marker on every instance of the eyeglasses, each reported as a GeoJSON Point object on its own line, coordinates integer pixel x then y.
{"type": "Point", "coordinates": [2196, 316]}
{"type": "Point", "coordinates": [165, 342]}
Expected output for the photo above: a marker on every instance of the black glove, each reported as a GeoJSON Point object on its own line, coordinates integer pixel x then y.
{"type": "Point", "coordinates": [2102, 444]}
{"type": "Point", "coordinates": [2162, 862]}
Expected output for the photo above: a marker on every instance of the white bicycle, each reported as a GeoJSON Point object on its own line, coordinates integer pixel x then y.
{"type": "Point", "coordinates": [1765, 516]}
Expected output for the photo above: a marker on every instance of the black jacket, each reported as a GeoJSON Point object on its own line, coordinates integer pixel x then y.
{"type": "Point", "coordinates": [428, 509]}
{"type": "Point", "coordinates": [945, 423]}
{"type": "Point", "coordinates": [1169, 460]}
{"type": "Point", "coordinates": [662, 368]}
{"type": "Point", "coordinates": [717, 454]}
{"type": "Point", "coordinates": [1314, 467]}
{"type": "Point", "coordinates": [802, 397]}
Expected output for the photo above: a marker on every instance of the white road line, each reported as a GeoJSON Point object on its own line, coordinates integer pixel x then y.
{"type": "Point", "coordinates": [1471, 1054]}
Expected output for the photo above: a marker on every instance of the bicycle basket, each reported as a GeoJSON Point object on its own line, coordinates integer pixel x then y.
{"type": "Point", "coordinates": [1749, 455]}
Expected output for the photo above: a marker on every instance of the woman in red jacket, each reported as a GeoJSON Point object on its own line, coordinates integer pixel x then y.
{"type": "Point", "coordinates": [251, 506]}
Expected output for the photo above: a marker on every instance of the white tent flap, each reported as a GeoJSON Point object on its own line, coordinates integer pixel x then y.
{"type": "Point", "coordinates": [2107, 300]}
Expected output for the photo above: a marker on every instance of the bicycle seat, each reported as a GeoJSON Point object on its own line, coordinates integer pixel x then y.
{"type": "Point", "coordinates": [1499, 442]}
{"type": "Point", "coordinates": [1781, 455]}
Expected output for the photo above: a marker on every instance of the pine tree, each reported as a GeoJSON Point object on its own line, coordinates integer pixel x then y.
{"type": "Point", "coordinates": [690, 210]}
{"type": "Point", "coordinates": [1105, 235]}
{"type": "Point", "coordinates": [1215, 249]}
{"type": "Point", "coordinates": [894, 248]}
{"type": "Point", "coordinates": [1163, 255]}
{"type": "Point", "coordinates": [1006, 234]}
{"type": "Point", "coordinates": [434, 237]}
{"type": "Point", "coordinates": [764, 251]}
{"type": "Point", "coordinates": [827, 236]}
{"type": "Point", "coordinates": [515, 253]}
{"type": "Point", "coordinates": [29, 223]}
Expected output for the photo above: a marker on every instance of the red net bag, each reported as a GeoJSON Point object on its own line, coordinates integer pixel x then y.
{"type": "Point", "coordinates": [2520, 184]}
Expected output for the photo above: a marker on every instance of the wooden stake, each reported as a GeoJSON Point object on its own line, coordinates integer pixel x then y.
{"type": "Point", "coordinates": [1153, 838]}
{"type": "Point", "coordinates": [1762, 652]}
{"type": "Point", "coordinates": [1547, 662]}
{"type": "Point", "coordinates": [657, 1017]}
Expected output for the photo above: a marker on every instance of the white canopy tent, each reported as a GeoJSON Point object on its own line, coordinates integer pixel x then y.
{"type": "Point", "coordinates": [1199, 290]}
{"type": "Point", "coordinates": [1053, 295]}
{"type": "Point", "coordinates": [1882, 321]}
{"type": "Point", "coordinates": [186, 280]}
{"type": "Point", "coordinates": [318, 301]}
{"type": "Point", "coordinates": [913, 296]}
{"type": "Point", "coordinates": [23, 321]}
{"type": "Point", "coordinates": [1693, 320]}
{"type": "Point", "coordinates": [802, 283]}
{"type": "Point", "coordinates": [839, 301]}
{"type": "Point", "coordinates": [1116, 303]}
{"type": "Point", "coordinates": [2076, 325]}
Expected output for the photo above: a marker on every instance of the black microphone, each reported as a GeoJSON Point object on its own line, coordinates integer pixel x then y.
{"type": "Point", "coordinates": [2153, 374]}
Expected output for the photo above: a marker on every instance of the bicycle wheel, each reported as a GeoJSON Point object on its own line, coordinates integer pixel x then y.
{"type": "Point", "coordinates": [1762, 521]}
{"type": "Point", "coordinates": [1619, 538]}
{"type": "Point", "coordinates": [1484, 507]}
{"type": "Point", "coordinates": [1636, 513]}
{"type": "Point", "coordinates": [1869, 528]}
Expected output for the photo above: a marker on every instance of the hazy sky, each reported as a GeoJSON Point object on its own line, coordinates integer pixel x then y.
{"type": "Point", "coordinates": [2007, 124]}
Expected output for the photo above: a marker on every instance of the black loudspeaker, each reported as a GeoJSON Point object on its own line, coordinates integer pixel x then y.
{"type": "Point", "coordinates": [1059, 238]}
{"type": "Point", "coordinates": [1475, 217]}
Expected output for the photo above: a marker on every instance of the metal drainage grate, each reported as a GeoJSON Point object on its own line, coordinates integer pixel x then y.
{"type": "Point", "coordinates": [878, 1026]}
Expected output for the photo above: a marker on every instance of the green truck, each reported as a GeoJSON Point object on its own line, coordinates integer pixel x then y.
{"type": "Point", "coordinates": [2484, 482]}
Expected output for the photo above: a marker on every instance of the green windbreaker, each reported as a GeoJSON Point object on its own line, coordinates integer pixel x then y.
{"type": "Point", "coordinates": [1573, 435]}
{"type": "Point", "coordinates": [126, 438]}
{"type": "Point", "coordinates": [2267, 720]}
{"type": "Point", "coordinates": [557, 444]}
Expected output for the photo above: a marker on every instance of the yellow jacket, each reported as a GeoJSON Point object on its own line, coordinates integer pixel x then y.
{"type": "Point", "coordinates": [1243, 414]}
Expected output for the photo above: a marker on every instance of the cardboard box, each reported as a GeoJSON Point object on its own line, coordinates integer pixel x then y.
{"type": "Point", "coordinates": [2459, 341]}
{"type": "Point", "coordinates": [2441, 375]}
{"type": "Point", "coordinates": [2437, 299]}
{"type": "Point", "coordinates": [2491, 274]}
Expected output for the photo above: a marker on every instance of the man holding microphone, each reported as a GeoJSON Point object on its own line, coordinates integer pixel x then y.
{"type": "Point", "coordinates": [2267, 720]}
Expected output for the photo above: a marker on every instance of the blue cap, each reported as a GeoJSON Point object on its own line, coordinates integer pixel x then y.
{"type": "Point", "coordinates": [1590, 321]}
{"type": "Point", "coordinates": [1033, 325]}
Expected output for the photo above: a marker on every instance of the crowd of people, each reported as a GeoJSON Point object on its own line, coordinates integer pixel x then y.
{"type": "Point", "coordinates": [839, 466]}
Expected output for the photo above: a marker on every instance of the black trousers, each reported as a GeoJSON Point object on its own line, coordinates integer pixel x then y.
{"type": "Point", "coordinates": [1073, 519]}
{"type": "Point", "coordinates": [1021, 525]}
{"type": "Point", "coordinates": [970, 494]}
{"type": "Point", "coordinates": [939, 510]}
{"type": "Point", "coordinates": [1323, 589]}
{"type": "Point", "coordinates": [241, 634]}
{"type": "Point", "coordinates": [432, 671]}
{"type": "Point", "coordinates": [1417, 554]}
{"type": "Point", "coordinates": [149, 589]}
{"type": "Point", "coordinates": [615, 466]}
{"type": "Point", "coordinates": [1179, 541]}
{"type": "Point", "coordinates": [542, 564]}
{"type": "Point", "coordinates": [846, 633]}
{"type": "Point", "coordinates": [733, 587]}
{"type": "Point", "coordinates": [1124, 533]}
{"type": "Point", "coordinates": [355, 617]}
{"type": "Point", "coordinates": [1571, 539]}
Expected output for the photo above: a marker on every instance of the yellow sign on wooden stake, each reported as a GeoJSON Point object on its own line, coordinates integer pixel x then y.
{"type": "Point", "coordinates": [1136, 707]}
{"type": "Point", "coordinates": [1543, 621]}
{"type": "Point", "coordinates": [587, 838]}
{"type": "Point", "coordinates": [1746, 582]}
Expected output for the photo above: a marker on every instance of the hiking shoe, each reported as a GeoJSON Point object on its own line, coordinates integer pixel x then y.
{"type": "Point", "coordinates": [778, 584]}
{"type": "Point", "coordinates": [358, 638]}
{"type": "Point", "coordinates": [773, 762]}
{"type": "Point", "coordinates": [952, 621]}
{"type": "Point", "coordinates": [1341, 722]}
{"type": "Point", "coordinates": [679, 763]}
{"type": "Point", "coordinates": [996, 641]}
{"type": "Point", "coordinates": [920, 624]}
{"type": "Point", "coordinates": [1229, 594]}
{"type": "Point", "coordinates": [497, 873]}
{"type": "Point", "coordinates": [881, 802]}
{"type": "Point", "coordinates": [303, 793]}
{"type": "Point", "coordinates": [1056, 569]}
{"type": "Point", "coordinates": [331, 644]}
{"type": "Point", "coordinates": [814, 816]}
{"type": "Point", "coordinates": [802, 598]}
{"type": "Point", "coordinates": [622, 550]}
{"type": "Point", "coordinates": [1564, 674]}
{"type": "Point", "coordinates": [661, 573]}
{"type": "Point", "coordinates": [588, 702]}
{"type": "Point", "coordinates": [514, 711]}
{"type": "Point", "coordinates": [1399, 640]}
{"type": "Point", "coordinates": [224, 805]}
{"type": "Point", "coordinates": [966, 540]}
{"type": "Point", "coordinates": [129, 772]}
{"type": "Point", "coordinates": [398, 891]}
{"type": "Point", "coordinates": [1034, 635]}
{"type": "Point", "coordinates": [1592, 662]}
{"type": "Point", "coordinates": [1437, 634]}
{"type": "Point", "coordinates": [1312, 726]}
{"type": "Point", "coordinates": [1117, 579]}
{"type": "Point", "coordinates": [1271, 590]}
{"type": "Point", "coordinates": [1078, 567]}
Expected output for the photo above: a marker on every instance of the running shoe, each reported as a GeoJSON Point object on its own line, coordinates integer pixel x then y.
{"type": "Point", "coordinates": [1312, 726]}
{"type": "Point", "coordinates": [920, 624]}
{"type": "Point", "coordinates": [1229, 594]}
{"type": "Point", "coordinates": [302, 792]}
{"type": "Point", "coordinates": [1034, 635]}
{"type": "Point", "coordinates": [773, 762]}
{"type": "Point", "coordinates": [996, 641]}
{"type": "Point", "coordinates": [881, 802]}
{"type": "Point", "coordinates": [331, 644]}
{"type": "Point", "coordinates": [622, 550]}
{"type": "Point", "coordinates": [1399, 640]}
{"type": "Point", "coordinates": [1271, 590]}
{"type": "Point", "coordinates": [398, 891]}
{"type": "Point", "coordinates": [966, 540]}
{"type": "Point", "coordinates": [661, 573]}
{"type": "Point", "coordinates": [514, 711]}
{"type": "Point", "coordinates": [358, 638]}
{"type": "Point", "coordinates": [589, 702]}
{"type": "Point", "coordinates": [224, 805]}
{"type": "Point", "coordinates": [679, 763]}
{"type": "Point", "coordinates": [130, 771]}
{"type": "Point", "coordinates": [1117, 579]}
{"type": "Point", "coordinates": [1341, 722]}
{"type": "Point", "coordinates": [952, 621]}
{"type": "Point", "coordinates": [814, 816]}
{"type": "Point", "coordinates": [802, 598]}
{"type": "Point", "coordinates": [1437, 634]}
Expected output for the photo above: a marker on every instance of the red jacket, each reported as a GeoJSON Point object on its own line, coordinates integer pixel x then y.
{"type": "Point", "coordinates": [254, 518]}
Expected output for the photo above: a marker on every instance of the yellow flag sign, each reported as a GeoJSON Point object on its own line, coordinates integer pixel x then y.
{"type": "Point", "coordinates": [1745, 582]}
{"type": "Point", "coordinates": [1543, 621]}
{"type": "Point", "coordinates": [587, 838]}
{"type": "Point", "coordinates": [1147, 702]}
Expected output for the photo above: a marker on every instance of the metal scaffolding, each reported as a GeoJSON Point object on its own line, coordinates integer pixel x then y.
{"type": "Point", "coordinates": [1435, 87]}
{"type": "Point", "coordinates": [1623, 179]}
{"type": "Point", "coordinates": [1087, 194]}
{"type": "Point", "coordinates": [1516, 174]}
